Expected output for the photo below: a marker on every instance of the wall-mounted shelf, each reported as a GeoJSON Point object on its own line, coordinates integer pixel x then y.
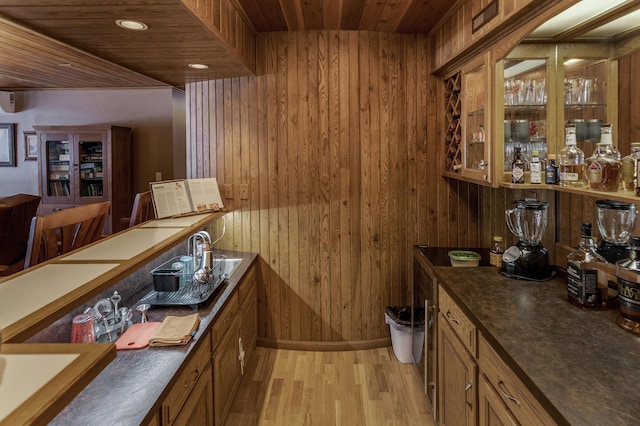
{"type": "Point", "coordinates": [624, 196]}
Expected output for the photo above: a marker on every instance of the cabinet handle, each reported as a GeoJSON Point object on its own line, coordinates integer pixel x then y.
{"type": "Point", "coordinates": [196, 373]}
{"type": "Point", "coordinates": [452, 318]}
{"type": "Point", "coordinates": [466, 391]}
{"type": "Point", "coordinates": [506, 394]}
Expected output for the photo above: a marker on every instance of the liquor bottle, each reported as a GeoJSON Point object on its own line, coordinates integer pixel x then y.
{"type": "Point", "coordinates": [571, 160]}
{"type": "Point", "coordinates": [586, 272]}
{"type": "Point", "coordinates": [551, 171]}
{"type": "Point", "coordinates": [517, 166]}
{"type": "Point", "coordinates": [603, 168]}
{"type": "Point", "coordinates": [535, 167]}
{"type": "Point", "coordinates": [630, 168]}
{"type": "Point", "coordinates": [497, 250]}
{"type": "Point", "coordinates": [628, 277]}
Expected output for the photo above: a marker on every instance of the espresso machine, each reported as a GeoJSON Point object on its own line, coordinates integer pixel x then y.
{"type": "Point", "coordinates": [528, 259]}
{"type": "Point", "coordinates": [616, 221]}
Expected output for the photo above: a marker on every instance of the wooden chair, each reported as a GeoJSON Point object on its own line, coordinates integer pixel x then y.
{"type": "Point", "coordinates": [16, 212]}
{"type": "Point", "coordinates": [66, 230]}
{"type": "Point", "coordinates": [142, 210]}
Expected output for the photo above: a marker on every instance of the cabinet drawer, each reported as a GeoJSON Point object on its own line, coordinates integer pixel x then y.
{"type": "Point", "coordinates": [224, 319]}
{"type": "Point", "coordinates": [186, 382]}
{"type": "Point", "coordinates": [248, 282]}
{"type": "Point", "coordinates": [515, 395]}
{"type": "Point", "coordinates": [460, 323]}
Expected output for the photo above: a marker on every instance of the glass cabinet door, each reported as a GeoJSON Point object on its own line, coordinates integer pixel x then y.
{"type": "Point", "coordinates": [57, 167]}
{"type": "Point", "coordinates": [476, 128]}
{"type": "Point", "coordinates": [525, 109]}
{"type": "Point", "coordinates": [90, 154]}
{"type": "Point", "coordinates": [585, 99]}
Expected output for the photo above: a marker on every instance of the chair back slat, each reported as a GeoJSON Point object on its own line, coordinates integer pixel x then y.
{"type": "Point", "coordinates": [66, 230]}
{"type": "Point", "coordinates": [142, 210]}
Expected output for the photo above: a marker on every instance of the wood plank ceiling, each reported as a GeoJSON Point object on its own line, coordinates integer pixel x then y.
{"type": "Point", "coordinates": [76, 44]}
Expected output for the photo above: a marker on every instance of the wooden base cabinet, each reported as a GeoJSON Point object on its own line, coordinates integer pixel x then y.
{"type": "Point", "coordinates": [234, 338]}
{"type": "Point", "coordinates": [192, 391]}
{"type": "Point", "coordinates": [457, 379]}
{"type": "Point", "coordinates": [226, 372]}
{"type": "Point", "coordinates": [491, 409]}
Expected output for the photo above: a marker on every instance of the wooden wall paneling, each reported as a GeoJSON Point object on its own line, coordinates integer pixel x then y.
{"type": "Point", "coordinates": [332, 137]}
{"type": "Point", "coordinates": [375, 80]}
{"type": "Point", "coordinates": [355, 167]}
{"type": "Point", "coordinates": [366, 169]}
{"type": "Point", "coordinates": [265, 324]}
{"type": "Point", "coordinates": [273, 309]}
{"type": "Point", "coordinates": [300, 259]}
{"type": "Point", "coordinates": [315, 195]}
{"type": "Point", "coordinates": [324, 180]}
{"type": "Point", "coordinates": [345, 166]}
{"type": "Point", "coordinates": [293, 175]}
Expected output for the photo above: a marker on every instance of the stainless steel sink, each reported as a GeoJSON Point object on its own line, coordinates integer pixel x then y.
{"type": "Point", "coordinates": [230, 265]}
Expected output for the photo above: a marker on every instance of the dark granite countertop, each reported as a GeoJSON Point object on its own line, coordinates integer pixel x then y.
{"type": "Point", "coordinates": [129, 391]}
{"type": "Point", "coordinates": [580, 365]}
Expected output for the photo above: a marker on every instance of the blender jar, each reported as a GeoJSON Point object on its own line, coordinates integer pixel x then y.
{"type": "Point", "coordinates": [616, 220]}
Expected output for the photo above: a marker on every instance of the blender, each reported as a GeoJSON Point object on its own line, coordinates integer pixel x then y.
{"type": "Point", "coordinates": [528, 259]}
{"type": "Point", "coordinates": [615, 221]}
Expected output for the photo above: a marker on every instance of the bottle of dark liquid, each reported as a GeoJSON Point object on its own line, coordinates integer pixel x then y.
{"type": "Point", "coordinates": [517, 166]}
{"type": "Point", "coordinates": [586, 272]}
{"type": "Point", "coordinates": [497, 250]}
{"type": "Point", "coordinates": [551, 171]}
{"type": "Point", "coordinates": [628, 274]}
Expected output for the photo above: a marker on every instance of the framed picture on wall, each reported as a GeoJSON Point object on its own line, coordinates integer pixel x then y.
{"type": "Point", "coordinates": [7, 145]}
{"type": "Point", "coordinates": [30, 146]}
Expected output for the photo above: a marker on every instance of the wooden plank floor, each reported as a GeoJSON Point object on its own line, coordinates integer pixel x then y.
{"type": "Point", "coordinates": [368, 388]}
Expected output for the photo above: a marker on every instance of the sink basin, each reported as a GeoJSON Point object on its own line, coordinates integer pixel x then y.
{"type": "Point", "coordinates": [230, 266]}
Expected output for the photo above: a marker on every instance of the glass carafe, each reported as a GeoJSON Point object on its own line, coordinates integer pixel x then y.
{"type": "Point", "coordinates": [527, 220]}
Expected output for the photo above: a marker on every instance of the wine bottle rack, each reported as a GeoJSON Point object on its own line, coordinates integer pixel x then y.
{"type": "Point", "coordinates": [453, 137]}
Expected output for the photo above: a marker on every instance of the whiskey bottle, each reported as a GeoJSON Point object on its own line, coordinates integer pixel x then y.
{"type": "Point", "coordinates": [535, 168]}
{"type": "Point", "coordinates": [571, 160]}
{"type": "Point", "coordinates": [628, 277]}
{"type": "Point", "coordinates": [517, 166]}
{"type": "Point", "coordinates": [551, 171]}
{"type": "Point", "coordinates": [586, 272]}
{"type": "Point", "coordinates": [603, 168]}
{"type": "Point", "coordinates": [630, 168]}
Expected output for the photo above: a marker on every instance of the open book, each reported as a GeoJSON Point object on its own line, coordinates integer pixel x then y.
{"type": "Point", "coordinates": [183, 197]}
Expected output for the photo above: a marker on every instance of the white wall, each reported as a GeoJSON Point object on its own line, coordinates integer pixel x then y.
{"type": "Point", "coordinates": [155, 115]}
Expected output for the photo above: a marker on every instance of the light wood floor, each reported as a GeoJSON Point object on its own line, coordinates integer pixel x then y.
{"type": "Point", "coordinates": [368, 387]}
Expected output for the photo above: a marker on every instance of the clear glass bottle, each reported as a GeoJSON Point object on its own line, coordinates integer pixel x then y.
{"type": "Point", "coordinates": [571, 160]}
{"type": "Point", "coordinates": [603, 170]}
{"type": "Point", "coordinates": [535, 167]}
{"type": "Point", "coordinates": [628, 276]}
{"type": "Point", "coordinates": [517, 166]}
{"type": "Point", "coordinates": [497, 250]}
{"type": "Point", "coordinates": [551, 171]}
{"type": "Point", "coordinates": [630, 168]}
{"type": "Point", "coordinates": [586, 272]}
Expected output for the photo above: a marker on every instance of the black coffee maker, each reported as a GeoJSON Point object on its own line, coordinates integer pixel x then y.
{"type": "Point", "coordinates": [528, 259]}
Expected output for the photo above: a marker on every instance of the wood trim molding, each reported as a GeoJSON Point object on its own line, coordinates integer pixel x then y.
{"type": "Point", "coordinates": [353, 345]}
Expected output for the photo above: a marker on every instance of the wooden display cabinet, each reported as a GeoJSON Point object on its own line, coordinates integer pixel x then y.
{"type": "Point", "coordinates": [468, 125]}
{"type": "Point", "coordinates": [542, 87]}
{"type": "Point", "coordinates": [84, 165]}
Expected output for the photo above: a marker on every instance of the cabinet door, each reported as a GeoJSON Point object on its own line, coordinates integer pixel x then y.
{"type": "Point", "coordinates": [248, 291]}
{"type": "Point", "coordinates": [476, 139]}
{"type": "Point", "coordinates": [226, 372]}
{"type": "Point", "coordinates": [457, 375]}
{"type": "Point", "coordinates": [198, 409]}
{"type": "Point", "coordinates": [91, 162]}
{"type": "Point", "coordinates": [56, 168]}
{"type": "Point", "coordinates": [492, 410]}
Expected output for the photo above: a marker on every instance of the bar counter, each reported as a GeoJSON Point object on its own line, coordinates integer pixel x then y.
{"type": "Point", "coordinates": [580, 365]}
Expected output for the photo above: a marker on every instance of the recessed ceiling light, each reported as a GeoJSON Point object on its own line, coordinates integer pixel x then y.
{"type": "Point", "coordinates": [128, 24]}
{"type": "Point", "coordinates": [199, 66]}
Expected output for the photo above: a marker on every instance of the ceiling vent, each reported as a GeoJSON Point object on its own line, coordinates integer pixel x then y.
{"type": "Point", "coordinates": [8, 101]}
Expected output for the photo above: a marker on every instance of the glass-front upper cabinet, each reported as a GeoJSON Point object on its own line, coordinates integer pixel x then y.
{"type": "Point", "coordinates": [527, 104]}
{"type": "Point", "coordinates": [468, 113]}
{"type": "Point", "coordinates": [57, 167]}
{"type": "Point", "coordinates": [547, 86]}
